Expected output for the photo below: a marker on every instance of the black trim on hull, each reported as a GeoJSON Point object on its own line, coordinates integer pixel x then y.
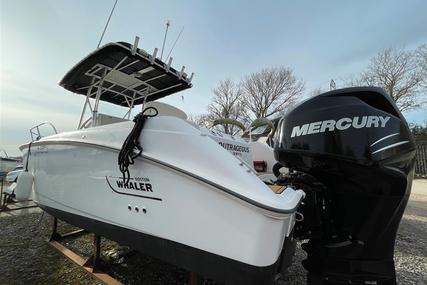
{"type": "Point", "coordinates": [202, 262]}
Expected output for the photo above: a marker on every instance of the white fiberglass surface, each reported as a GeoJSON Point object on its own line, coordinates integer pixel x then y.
{"type": "Point", "coordinates": [178, 143]}
{"type": "Point", "coordinates": [84, 180]}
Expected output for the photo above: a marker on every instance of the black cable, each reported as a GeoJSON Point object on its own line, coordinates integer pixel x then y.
{"type": "Point", "coordinates": [28, 156]}
{"type": "Point", "coordinates": [132, 148]}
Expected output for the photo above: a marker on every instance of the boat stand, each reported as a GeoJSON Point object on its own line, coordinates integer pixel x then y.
{"type": "Point", "coordinates": [91, 264]}
{"type": "Point", "coordinates": [4, 207]}
{"type": "Point", "coordinates": [6, 199]}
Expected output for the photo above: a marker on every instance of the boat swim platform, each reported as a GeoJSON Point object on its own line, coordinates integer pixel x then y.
{"type": "Point", "coordinates": [278, 189]}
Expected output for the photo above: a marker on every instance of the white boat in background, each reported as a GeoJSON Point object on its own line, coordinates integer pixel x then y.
{"type": "Point", "coordinates": [184, 199]}
{"type": "Point", "coordinates": [259, 143]}
{"type": "Point", "coordinates": [12, 176]}
{"type": "Point", "coordinates": [7, 163]}
{"type": "Point", "coordinates": [260, 136]}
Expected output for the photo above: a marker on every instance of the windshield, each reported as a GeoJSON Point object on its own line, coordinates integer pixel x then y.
{"type": "Point", "coordinates": [259, 130]}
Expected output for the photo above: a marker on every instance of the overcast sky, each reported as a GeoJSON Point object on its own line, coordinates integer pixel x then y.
{"type": "Point", "coordinates": [321, 40]}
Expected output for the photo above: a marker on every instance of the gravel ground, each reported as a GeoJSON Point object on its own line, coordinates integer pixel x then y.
{"type": "Point", "coordinates": [411, 242]}
{"type": "Point", "coordinates": [26, 257]}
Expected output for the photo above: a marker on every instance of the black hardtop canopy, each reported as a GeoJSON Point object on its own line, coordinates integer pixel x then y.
{"type": "Point", "coordinates": [125, 75]}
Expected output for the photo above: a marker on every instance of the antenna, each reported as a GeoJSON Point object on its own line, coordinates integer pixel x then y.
{"type": "Point", "coordinates": [164, 39]}
{"type": "Point", "coordinates": [173, 46]}
{"type": "Point", "coordinates": [332, 85]}
{"type": "Point", "coordinates": [106, 25]}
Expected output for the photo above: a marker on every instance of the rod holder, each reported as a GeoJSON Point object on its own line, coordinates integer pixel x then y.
{"type": "Point", "coordinates": [169, 64]}
{"type": "Point", "coordinates": [181, 72]}
{"type": "Point", "coordinates": [153, 57]}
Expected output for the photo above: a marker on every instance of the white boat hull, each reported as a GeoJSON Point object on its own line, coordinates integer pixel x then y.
{"type": "Point", "coordinates": [75, 178]}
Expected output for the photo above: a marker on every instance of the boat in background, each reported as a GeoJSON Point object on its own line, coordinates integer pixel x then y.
{"type": "Point", "coordinates": [7, 163]}
{"type": "Point", "coordinates": [260, 136]}
{"type": "Point", "coordinates": [259, 143]}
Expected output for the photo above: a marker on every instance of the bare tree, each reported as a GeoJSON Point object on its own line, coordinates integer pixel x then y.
{"type": "Point", "coordinates": [227, 104]}
{"type": "Point", "coordinates": [398, 72]}
{"type": "Point", "coordinates": [421, 54]}
{"type": "Point", "coordinates": [271, 91]}
{"type": "Point", "coordinates": [202, 120]}
{"type": "Point", "coordinates": [315, 92]}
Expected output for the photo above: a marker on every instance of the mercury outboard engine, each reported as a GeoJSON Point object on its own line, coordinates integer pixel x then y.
{"type": "Point", "coordinates": [351, 151]}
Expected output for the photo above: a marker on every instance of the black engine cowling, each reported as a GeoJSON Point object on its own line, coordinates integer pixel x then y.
{"type": "Point", "coordinates": [352, 153]}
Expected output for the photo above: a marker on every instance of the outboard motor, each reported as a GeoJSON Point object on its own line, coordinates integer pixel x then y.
{"type": "Point", "coordinates": [351, 151]}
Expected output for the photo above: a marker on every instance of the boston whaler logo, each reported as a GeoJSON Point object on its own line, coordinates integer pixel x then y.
{"type": "Point", "coordinates": [137, 186]}
{"type": "Point", "coordinates": [341, 124]}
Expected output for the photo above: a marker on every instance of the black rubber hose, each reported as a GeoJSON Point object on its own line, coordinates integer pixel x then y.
{"type": "Point", "coordinates": [28, 156]}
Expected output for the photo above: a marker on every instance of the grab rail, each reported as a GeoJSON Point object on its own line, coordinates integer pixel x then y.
{"type": "Point", "coordinates": [35, 131]}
